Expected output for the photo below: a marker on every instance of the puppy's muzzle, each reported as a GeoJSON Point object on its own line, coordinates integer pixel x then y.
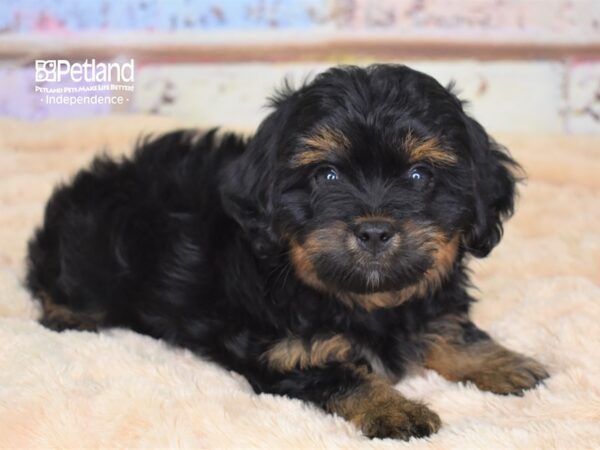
{"type": "Point", "coordinates": [374, 236]}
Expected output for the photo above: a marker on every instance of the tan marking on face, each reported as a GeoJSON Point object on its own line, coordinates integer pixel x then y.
{"type": "Point", "coordinates": [293, 353]}
{"type": "Point", "coordinates": [317, 242]}
{"type": "Point", "coordinates": [443, 251]}
{"type": "Point", "coordinates": [489, 365]}
{"type": "Point", "coordinates": [320, 145]}
{"type": "Point", "coordinates": [374, 218]}
{"type": "Point", "coordinates": [303, 266]}
{"type": "Point", "coordinates": [427, 150]}
{"type": "Point", "coordinates": [377, 300]}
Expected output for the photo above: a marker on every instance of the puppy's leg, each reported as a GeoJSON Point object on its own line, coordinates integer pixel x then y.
{"type": "Point", "coordinates": [381, 411]}
{"type": "Point", "coordinates": [319, 375]}
{"type": "Point", "coordinates": [59, 317]}
{"type": "Point", "coordinates": [460, 352]}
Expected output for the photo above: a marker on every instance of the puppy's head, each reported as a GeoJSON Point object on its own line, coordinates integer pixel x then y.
{"type": "Point", "coordinates": [375, 180]}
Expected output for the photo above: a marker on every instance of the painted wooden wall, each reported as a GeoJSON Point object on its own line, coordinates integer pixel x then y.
{"type": "Point", "coordinates": [552, 20]}
{"type": "Point", "coordinates": [526, 65]}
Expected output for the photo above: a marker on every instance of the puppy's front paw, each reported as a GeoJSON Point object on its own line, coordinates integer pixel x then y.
{"type": "Point", "coordinates": [510, 373]}
{"type": "Point", "coordinates": [487, 364]}
{"type": "Point", "coordinates": [398, 418]}
{"type": "Point", "coordinates": [380, 411]}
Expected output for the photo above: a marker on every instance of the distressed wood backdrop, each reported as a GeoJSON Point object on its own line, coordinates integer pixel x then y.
{"type": "Point", "coordinates": [526, 65]}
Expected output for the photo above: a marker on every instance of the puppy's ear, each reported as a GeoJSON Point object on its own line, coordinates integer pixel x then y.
{"type": "Point", "coordinates": [247, 183]}
{"type": "Point", "coordinates": [493, 190]}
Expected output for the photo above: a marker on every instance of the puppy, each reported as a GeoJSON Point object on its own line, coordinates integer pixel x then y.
{"type": "Point", "coordinates": [321, 258]}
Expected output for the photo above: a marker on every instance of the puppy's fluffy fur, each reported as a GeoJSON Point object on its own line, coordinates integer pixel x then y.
{"type": "Point", "coordinates": [320, 258]}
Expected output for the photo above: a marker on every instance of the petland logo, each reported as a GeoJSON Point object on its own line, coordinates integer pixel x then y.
{"type": "Point", "coordinates": [61, 82]}
{"type": "Point", "coordinates": [56, 70]}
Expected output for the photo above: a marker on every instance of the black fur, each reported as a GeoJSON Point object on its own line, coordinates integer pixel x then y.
{"type": "Point", "coordinates": [188, 240]}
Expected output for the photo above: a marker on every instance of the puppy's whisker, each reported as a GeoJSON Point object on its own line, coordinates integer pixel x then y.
{"type": "Point", "coordinates": [282, 271]}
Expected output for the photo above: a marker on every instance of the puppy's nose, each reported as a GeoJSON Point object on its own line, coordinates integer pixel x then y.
{"type": "Point", "coordinates": [374, 236]}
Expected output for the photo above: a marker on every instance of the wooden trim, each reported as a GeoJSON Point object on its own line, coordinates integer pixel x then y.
{"type": "Point", "coordinates": [223, 48]}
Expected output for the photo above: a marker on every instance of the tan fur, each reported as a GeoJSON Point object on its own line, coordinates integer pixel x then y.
{"type": "Point", "coordinates": [319, 241]}
{"type": "Point", "coordinates": [444, 252]}
{"type": "Point", "coordinates": [300, 258]}
{"type": "Point", "coordinates": [444, 256]}
{"type": "Point", "coordinates": [379, 410]}
{"type": "Point", "coordinates": [60, 316]}
{"type": "Point", "coordinates": [371, 302]}
{"type": "Point", "coordinates": [293, 353]}
{"type": "Point", "coordinates": [427, 150]}
{"type": "Point", "coordinates": [320, 145]}
{"type": "Point", "coordinates": [488, 365]}
{"type": "Point", "coordinates": [374, 218]}
{"type": "Point", "coordinates": [304, 268]}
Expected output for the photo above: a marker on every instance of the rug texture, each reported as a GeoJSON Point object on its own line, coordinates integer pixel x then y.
{"type": "Point", "coordinates": [539, 291]}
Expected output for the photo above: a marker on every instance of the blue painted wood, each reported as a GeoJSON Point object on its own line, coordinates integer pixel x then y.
{"type": "Point", "coordinates": [24, 16]}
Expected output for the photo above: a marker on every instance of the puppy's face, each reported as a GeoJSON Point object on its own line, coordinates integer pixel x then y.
{"type": "Point", "coordinates": [376, 181]}
{"type": "Point", "coordinates": [371, 211]}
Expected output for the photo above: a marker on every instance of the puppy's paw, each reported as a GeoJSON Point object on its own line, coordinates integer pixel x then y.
{"type": "Point", "coordinates": [398, 418]}
{"type": "Point", "coordinates": [509, 375]}
{"type": "Point", "coordinates": [380, 411]}
{"type": "Point", "coordinates": [487, 364]}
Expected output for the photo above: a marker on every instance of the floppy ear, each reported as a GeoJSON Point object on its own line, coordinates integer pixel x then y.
{"type": "Point", "coordinates": [247, 182]}
{"type": "Point", "coordinates": [493, 190]}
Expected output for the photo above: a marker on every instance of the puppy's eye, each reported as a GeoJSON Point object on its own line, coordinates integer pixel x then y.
{"type": "Point", "coordinates": [420, 175]}
{"type": "Point", "coordinates": [326, 175]}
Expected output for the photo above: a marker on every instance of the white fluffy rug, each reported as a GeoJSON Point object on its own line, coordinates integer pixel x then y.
{"type": "Point", "coordinates": [540, 295]}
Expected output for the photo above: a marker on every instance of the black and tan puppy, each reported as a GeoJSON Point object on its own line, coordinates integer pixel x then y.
{"type": "Point", "coordinates": [321, 258]}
